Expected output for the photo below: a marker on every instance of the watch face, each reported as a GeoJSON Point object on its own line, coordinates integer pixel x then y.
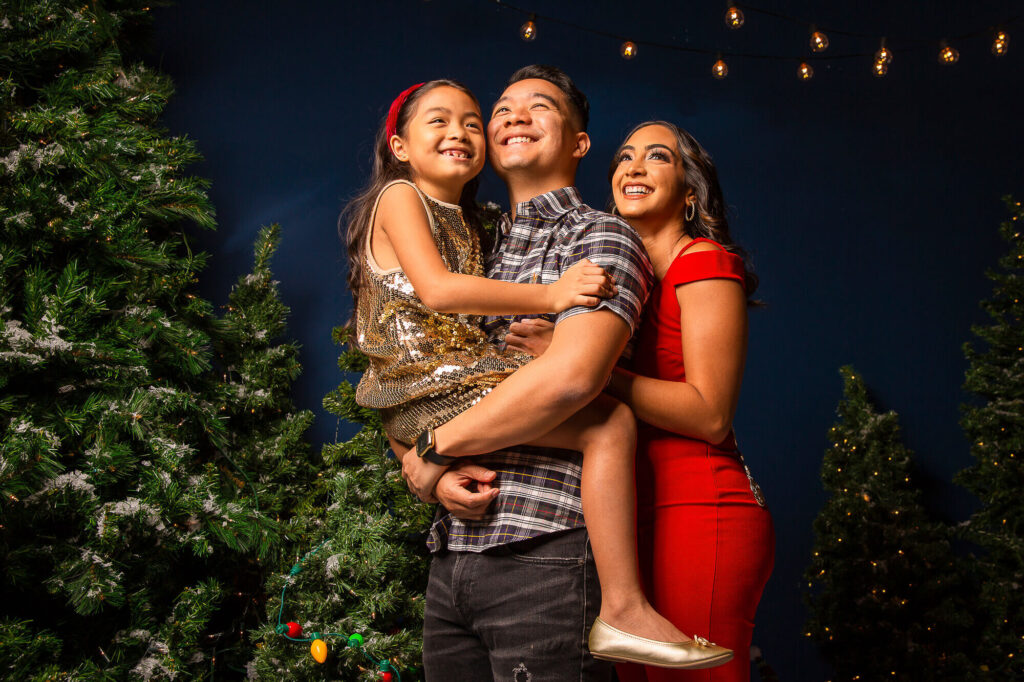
{"type": "Point", "coordinates": [424, 442]}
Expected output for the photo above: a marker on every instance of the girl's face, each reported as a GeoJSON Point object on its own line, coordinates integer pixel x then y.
{"type": "Point", "coordinates": [649, 183]}
{"type": "Point", "coordinates": [443, 142]}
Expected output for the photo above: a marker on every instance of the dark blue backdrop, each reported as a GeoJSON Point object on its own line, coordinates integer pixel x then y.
{"type": "Point", "coordinates": [870, 206]}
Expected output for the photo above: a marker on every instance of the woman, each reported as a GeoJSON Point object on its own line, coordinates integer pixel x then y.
{"type": "Point", "coordinates": [706, 542]}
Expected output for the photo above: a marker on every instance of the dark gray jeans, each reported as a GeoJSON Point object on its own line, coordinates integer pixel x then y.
{"type": "Point", "coordinates": [518, 613]}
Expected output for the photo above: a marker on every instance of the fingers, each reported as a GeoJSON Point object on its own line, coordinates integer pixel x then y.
{"type": "Point", "coordinates": [588, 301]}
{"type": "Point", "coordinates": [454, 493]}
{"type": "Point", "coordinates": [476, 472]}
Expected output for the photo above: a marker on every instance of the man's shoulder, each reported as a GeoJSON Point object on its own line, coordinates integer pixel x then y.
{"type": "Point", "coordinates": [591, 222]}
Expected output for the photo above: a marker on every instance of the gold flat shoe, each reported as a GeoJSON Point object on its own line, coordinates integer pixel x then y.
{"type": "Point", "coordinates": [612, 644]}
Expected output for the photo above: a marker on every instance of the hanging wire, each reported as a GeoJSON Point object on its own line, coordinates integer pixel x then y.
{"type": "Point", "coordinates": [353, 641]}
{"type": "Point", "coordinates": [907, 44]}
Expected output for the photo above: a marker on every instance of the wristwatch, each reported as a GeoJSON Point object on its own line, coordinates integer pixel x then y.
{"type": "Point", "coordinates": [426, 449]}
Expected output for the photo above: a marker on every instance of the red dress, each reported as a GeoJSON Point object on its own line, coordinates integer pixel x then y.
{"type": "Point", "coordinates": [706, 546]}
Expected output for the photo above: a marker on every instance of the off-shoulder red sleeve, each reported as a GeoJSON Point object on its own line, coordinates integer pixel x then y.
{"type": "Point", "coordinates": [698, 265]}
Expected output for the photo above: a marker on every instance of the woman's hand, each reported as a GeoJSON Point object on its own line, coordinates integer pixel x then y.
{"type": "Point", "coordinates": [421, 476]}
{"type": "Point", "coordinates": [585, 283]}
{"type": "Point", "coordinates": [532, 335]}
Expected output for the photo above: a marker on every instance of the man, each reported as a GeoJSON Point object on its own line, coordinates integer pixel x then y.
{"type": "Point", "coordinates": [513, 588]}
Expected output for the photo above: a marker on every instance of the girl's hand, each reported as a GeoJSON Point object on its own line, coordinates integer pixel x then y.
{"type": "Point", "coordinates": [532, 335]}
{"type": "Point", "coordinates": [583, 284]}
{"type": "Point", "coordinates": [421, 476]}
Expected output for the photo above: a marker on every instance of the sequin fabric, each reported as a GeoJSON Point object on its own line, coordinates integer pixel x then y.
{"type": "Point", "coordinates": [426, 367]}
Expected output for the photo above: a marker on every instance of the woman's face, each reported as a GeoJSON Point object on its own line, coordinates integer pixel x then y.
{"type": "Point", "coordinates": [649, 183]}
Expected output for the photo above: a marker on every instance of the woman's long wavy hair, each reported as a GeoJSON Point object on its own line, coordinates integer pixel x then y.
{"type": "Point", "coordinates": [354, 221]}
{"type": "Point", "coordinates": [709, 219]}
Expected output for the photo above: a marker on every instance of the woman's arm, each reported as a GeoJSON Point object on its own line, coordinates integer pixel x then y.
{"type": "Point", "coordinates": [403, 221]}
{"type": "Point", "coordinates": [714, 344]}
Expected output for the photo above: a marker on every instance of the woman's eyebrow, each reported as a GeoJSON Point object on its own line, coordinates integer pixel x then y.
{"type": "Point", "coordinates": [658, 146]}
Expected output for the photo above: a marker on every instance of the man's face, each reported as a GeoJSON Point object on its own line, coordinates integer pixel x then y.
{"type": "Point", "coordinates": [531, 129]}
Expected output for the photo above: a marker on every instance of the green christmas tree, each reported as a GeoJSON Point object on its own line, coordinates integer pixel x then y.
{"type": "Point", "coordinates": [361, 569]}
{"type": "Point", "coordinates": [139, 501]}
{"type": "Point", "coordinates": [995, 428]}
{"type": "Point", "coordinates": [885, 595]}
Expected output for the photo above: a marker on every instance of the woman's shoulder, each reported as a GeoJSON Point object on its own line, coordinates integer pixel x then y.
{"type": "Point", "coordinates": [704, 258]}
{"type": "Point", "coordinates": [701, 245]}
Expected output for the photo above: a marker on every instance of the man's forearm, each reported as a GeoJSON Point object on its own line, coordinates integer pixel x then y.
{"type": "Point", "coordinates": [543, 393]}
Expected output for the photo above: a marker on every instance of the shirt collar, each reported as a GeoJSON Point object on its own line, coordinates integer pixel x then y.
{"type": "Point", "coordinates": [551, 205]}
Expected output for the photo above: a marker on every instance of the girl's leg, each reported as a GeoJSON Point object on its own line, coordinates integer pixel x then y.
{"type": "Point", "coordinates": [605, 431]}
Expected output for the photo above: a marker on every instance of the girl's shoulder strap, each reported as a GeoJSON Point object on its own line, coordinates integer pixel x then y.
{"type": "Point", "coordinates": [373, 216]}
{"type": "Point", "coordinates": [419, 192]}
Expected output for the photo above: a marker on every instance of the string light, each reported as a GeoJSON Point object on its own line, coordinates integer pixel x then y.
{"type": "Point", "coordinates": [884, 54]}
{"type": "Point", "coordinates": [628, 49]}
{"type": "Point", "coordinates": [528, 31]}
{"type": "Point", "coordinates": [720, 69]}
{"type": "Point", "coordinates": [734, 17]}
{"type": "Point", "coordinates": [948, 55]}
{"type": "Point", "coordinates": [880, 69]}
{"type": "Point", "coordinates": [805, 71]}
{"type": "Point", "coordinates": [819, 41]}
{"type": "Point", "coordinates": [1000, 43]}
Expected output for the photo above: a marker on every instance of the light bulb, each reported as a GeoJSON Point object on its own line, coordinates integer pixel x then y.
{"type": "Point", "coordinates": [628, 49]}
{"type": "Point", "coordinates": [1000, 43]}
{"type": "Point", "coordinates": [805, 71]}
{"type": "Point", "coordinates": [528, 31]}
{"type": "Point", "coordinates": [819, 41]}
{"type": "Point", "coordinates": [734, 17]}
{"type": "Point", "coordinates": [884, 54]}
{"type": "Point", "coordinates": [880, 69]}
{"type": "Point", "coordinates": [948, 55]}
{"type": "Point", "coordinates": [720, 69]}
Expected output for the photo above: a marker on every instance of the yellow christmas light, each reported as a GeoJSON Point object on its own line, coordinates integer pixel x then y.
{"type": "Point", "coordinates": [628, 49]}
{"type": "Point", "coordinates": [805, 71]}
{"type": "Point", "coordinates": [528, 31]}
{"type": "Point", "coordinates": [884, 54]}
{"type": "Point", "coordinates": [734, 17]}
{"type": "Point", "coordinates": [948, 55]}
{"type": "Point", "coordinates": [819, 41]}
{"type": "Point", "coordinates": [1000, 43]}
{"type": "Point", "coordinates": [880, 69]}
{"type": "Point", "coordinates": [720, 69]}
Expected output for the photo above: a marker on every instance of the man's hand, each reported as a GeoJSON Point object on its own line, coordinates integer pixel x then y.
{"type": "Point", "coordinates": [421, 476]}
{"type": "Point", "coordinates": [532, 335]}
{"type": "Point", "coordinates": [465, 490]}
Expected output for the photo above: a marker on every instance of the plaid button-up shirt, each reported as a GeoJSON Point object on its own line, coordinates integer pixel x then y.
{"type": "Point", "coordinates": [540, 488]}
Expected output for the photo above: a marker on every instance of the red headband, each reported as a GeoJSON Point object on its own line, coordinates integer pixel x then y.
{"type": "Point", "coordinates": [396, 106]}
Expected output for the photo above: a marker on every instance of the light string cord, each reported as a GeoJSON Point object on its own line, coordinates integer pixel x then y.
{"type": "Point", "coordinates": [353, 641]}
{"type": "Point", "coordinates": [915, 43]}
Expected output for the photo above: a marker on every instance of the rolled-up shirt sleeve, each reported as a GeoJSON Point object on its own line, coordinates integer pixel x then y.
{"type": "Point", "coordinates": [616, 247]}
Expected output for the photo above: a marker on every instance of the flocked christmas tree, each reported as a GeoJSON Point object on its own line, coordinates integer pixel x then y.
{"type": "Point", "coordinates": [142, 436]}
{"type": "Point", "coordinates": [995, 429]}
{"type": "Point", "coordinates": [884, 589]}
{"type": "Point", "coordinates": [360, 572]}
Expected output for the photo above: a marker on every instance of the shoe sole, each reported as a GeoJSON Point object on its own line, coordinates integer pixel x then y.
{"type": "Point", "coordinates": [706, 663]}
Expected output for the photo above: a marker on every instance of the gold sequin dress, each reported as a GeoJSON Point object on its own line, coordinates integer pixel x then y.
{"type": "Point", "coordinates": [425, 367]}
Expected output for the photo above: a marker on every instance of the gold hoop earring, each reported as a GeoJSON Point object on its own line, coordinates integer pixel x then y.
{"type": "Point", "coordinates": [690, 215]}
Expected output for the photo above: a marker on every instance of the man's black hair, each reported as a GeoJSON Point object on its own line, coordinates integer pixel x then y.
{"type": "Point", "coordinates": [560, 79]}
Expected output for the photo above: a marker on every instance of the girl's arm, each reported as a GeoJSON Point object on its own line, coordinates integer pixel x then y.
{"type": "Point", "coordinates": [714, 340]}
{"type": "Point", "coordinates": [403, 220]}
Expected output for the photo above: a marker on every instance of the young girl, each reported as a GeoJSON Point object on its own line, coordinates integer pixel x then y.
{"type": "Point", "coordinates": [416, 274]}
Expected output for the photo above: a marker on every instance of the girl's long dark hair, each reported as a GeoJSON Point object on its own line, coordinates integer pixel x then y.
{"type": "Point", "coordinates": [354, 221]}
{"type": "Point", "coordinates": [709, 220]}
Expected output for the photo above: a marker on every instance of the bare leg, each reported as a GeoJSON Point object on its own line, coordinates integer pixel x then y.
{"type": "Point", "coordinates": [605, 431]}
